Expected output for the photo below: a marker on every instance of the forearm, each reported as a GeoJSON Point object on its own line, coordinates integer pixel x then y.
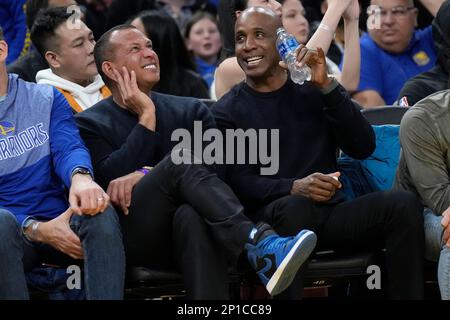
{"type": "Point", "coordinates": [134, 153]}
{"type": "Point", "coordinates": [148, 120]}
{"type": "Point", "coordinates": [352, 132]}
{"type": "Point", "coordinates": [323, 37]}
{"type": "Point", "coordinates": [352, 56]}
{"type": "Point", "coordinates": [67, 148]}
{"type": "Point", "coordinates": [258, 188]}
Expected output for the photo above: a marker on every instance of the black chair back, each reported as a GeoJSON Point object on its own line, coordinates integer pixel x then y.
{"type": "Point", "coordinates": [384, 115]}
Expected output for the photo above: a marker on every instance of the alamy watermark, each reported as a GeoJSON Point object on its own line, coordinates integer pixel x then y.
{"type": "Point", "coordinates": [73, 282]}
{"type": "Point", "coordinates": [374, 280]}
{"type": "Point", "coordinates": [74, 21]}
{"type": "Point", "coordinates": [234, 147]}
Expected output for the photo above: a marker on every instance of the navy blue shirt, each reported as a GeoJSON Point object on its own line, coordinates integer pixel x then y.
{"type": "Point", "coordinates": [386, 73]}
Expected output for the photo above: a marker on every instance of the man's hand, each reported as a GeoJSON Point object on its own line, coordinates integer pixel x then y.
{"type": "Point", "coordinates": [86, 197]}
{"type": "Point", "coordinates": [315, 59]}
{"type": "Point", "coordinates": [317, 186]}
{"type": "Point", "coordinates": [58, 234]}
{"type": "Point", "coordinates": [121, 188]}
{"type": "Point", "coordinates": [136, 100]}
{"type": "Point", "coordinates": [446, 224]}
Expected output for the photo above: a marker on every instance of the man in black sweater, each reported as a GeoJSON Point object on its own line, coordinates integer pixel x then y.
{"type": "Point", "coordinates": [313, 121]}
{"type": "Point", "coordinates": [173, 214]}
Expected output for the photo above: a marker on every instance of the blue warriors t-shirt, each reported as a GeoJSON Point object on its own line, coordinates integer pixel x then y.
{"type": "Point", "coordinates": [39, 148]}
{"type": "Point", "coordinates": [386, 73]}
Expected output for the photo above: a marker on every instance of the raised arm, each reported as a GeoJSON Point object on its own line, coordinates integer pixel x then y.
{"type": "Point", "coordinates": [324, 35]}
{"type": "Point", "coordinates": [351, 68]}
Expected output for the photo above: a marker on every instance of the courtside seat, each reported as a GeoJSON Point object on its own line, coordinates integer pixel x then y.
{"type": "Point", "coordinates": [326, 269]}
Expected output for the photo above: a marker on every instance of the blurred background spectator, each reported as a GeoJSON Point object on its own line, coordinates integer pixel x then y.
{"type": "Point", "coordinates": [204, 42]}
{"type": "Point", "coordinates": [177, 70]}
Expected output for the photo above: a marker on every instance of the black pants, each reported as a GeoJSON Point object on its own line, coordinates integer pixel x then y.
{"type": "Point", "coordinates": [185, 214]}
{"type": "Point", "coordinates": [391, 220]}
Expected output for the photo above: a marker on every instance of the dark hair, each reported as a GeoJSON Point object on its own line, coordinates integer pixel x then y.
{"type": "Point", "coordinates": [43, 30]}
{"type": "Point", "coordinates": [240, 5]}
{"type": "Point", "coordinates": [168, 44]}
{"type": "Point", "coordinates": [200, 15]}
{"type": "Point", "coordinates": [441, 35]}
{"type": "Point", "coordinates": [2, 37]}
{"type": "Point", "coordinates": [32, 9]}
{"type": "Point", "coordinates": [102, 49]}
{"type": "Point", "coordinates": [227, 20]}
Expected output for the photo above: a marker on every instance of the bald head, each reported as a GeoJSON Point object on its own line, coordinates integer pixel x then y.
{"type": "Point", "coordinates": [270, 18]}
{"type": "Point", "coordinates": [256, 52]}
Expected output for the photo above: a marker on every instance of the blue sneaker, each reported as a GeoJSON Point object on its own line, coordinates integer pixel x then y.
{"type": "Point", "coordinates": [276, 260]}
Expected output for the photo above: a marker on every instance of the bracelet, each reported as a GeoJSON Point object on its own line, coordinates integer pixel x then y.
{"type": "Point", "coordinates": [34, 228]}
{"type": "Point", "coordinates": [145, 170]}
{"type": "Point", "coordinates": [325, 27]}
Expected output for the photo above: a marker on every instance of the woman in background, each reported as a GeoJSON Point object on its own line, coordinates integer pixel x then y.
{"type": "Point", "coordinates": [177, 76]}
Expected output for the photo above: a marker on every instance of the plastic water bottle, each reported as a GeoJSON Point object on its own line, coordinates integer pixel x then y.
{"type": "Point", "coordinates": [287, 45]}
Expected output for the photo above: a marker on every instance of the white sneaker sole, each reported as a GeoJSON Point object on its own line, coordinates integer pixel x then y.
{"type": "Point", "coordinates": [285, 273]}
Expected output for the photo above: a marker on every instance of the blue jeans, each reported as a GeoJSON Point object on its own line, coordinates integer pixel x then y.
{"type": "Point", "coordinates": [436, 250]}
{"type": "Point", "coordinates": [104, 257]}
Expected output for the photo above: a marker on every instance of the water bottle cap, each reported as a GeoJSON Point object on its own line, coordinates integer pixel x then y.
{"type": "Point", "coordinates": [280, 30]}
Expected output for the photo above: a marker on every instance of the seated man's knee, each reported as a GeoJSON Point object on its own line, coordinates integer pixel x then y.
{"type": "Point", "coordinates": [292, 214]}
{"type": "Point", "coordinates": [9, 229]}
{"type": "Point", "coordinates": [185, 216]}
{"type": "Point", "coordinates": [187, 222]}
{"type": "Point", "coordinates": [406, 207]}
{"type": "Point", "coordinates": [103, 225]}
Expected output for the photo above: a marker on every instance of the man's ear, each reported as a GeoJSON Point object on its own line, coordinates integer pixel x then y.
{"type": "Point", "coordinates": [52, 59]}
{"type": "Point", "coordinates": [3, 51]}
{"type": "Point", "coordinates": [237, 13]}
{"type": "Point", "coordinates": [107, 69]}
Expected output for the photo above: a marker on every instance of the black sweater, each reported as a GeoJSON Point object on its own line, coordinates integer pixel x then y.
{"type": "Point", "coordinates": [119, 145]}
{"type": "Point", "coordinates": [312, 126]}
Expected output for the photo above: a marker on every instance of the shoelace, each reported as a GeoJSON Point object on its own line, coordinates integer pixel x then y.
{"type": "Point", "coordinates": [274, 242]}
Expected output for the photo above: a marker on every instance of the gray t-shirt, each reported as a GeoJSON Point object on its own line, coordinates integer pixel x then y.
{"type": "Point", "coordinates": [424, 166]}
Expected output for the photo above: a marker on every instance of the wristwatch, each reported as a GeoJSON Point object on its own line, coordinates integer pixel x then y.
{"type": "Point", "coordinates": [80, 170]}
{"type": "Point", "coordinates": [30, 222]}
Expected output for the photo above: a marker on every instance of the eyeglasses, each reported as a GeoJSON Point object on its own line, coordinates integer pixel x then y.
{"type": "Point", "coordinates": [397, 12]}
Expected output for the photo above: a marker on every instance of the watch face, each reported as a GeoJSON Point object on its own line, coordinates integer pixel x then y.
{"type": "Point", "coordinates": [27, 223]}
{"type": "Point", "coordinates": [81, 171]}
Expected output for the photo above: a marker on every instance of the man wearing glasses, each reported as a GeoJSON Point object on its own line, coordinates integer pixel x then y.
{"type": "Point", "coordinates": [393, 50]}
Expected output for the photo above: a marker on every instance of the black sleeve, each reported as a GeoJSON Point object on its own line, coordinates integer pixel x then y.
{"type": "Point", "coordinates": [353, 134]}
{"type": "Point", "coordinates": [108, 161]}
{"type": "Point", "coordinates": [415, 91]}
{"type": "Point", "coordinates": [246, 180]}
